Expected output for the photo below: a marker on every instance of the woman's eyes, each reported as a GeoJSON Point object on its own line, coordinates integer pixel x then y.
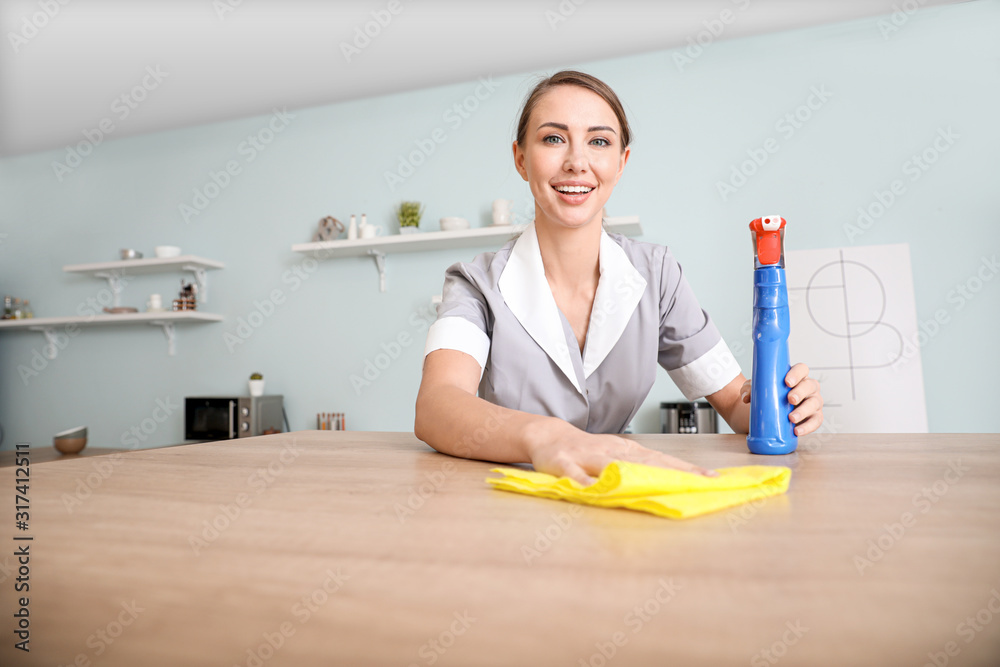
{"type": "Point", "coordinates": [557, 139]}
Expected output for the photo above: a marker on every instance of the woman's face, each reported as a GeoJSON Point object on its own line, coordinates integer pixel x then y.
{"type": "Point", "coordinates": [572, 156]}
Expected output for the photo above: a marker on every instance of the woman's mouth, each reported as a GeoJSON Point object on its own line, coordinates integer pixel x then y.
{"type": "Point", "coordinates": [573, 194]}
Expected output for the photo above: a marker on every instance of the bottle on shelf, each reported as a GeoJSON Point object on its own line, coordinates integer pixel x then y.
{"type": "Point", "coordinates": [26, 312]}
{"type": "Point", "coordinates": [8, 310]}
{"type": "Point", "coordinates": [16, 314]}
{"type": "Point", "coordinates": [352, 229]}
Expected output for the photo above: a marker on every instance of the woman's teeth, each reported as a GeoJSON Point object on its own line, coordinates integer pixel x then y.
{"type": "Point", "coordinates": [573, 189]}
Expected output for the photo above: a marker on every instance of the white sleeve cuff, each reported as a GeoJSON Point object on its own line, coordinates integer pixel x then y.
{"type": "Point", "coordinates": [458, 333]}
{"type": "Point", "coordinates": [707, 374]}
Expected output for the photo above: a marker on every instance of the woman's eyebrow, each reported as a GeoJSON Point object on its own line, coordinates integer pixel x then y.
{"type": "Point", "coordinates": [592, 128]}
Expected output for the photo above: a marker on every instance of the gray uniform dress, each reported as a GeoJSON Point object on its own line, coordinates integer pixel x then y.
{"type": "Point", "coordinates": [499, 309]}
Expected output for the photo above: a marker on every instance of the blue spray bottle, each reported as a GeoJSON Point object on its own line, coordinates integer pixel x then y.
{"type": "Point", "coordinates": [770, 429]}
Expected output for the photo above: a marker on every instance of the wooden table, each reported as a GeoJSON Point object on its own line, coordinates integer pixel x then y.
{"type": "Point", "coordinates": [44, 454]}
{"type": "Point", "coordinates": [344, 548]}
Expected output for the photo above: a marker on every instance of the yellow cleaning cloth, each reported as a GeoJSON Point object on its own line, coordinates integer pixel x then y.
{"type": "Point", "coordinates": [661, 491]}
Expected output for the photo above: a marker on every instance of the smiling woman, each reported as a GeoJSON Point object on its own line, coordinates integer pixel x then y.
{"type": "Point", "coordinates": [560, 331]}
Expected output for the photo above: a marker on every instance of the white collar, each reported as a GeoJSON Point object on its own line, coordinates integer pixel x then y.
{"type": "Point", "coordinates": [529, 297]}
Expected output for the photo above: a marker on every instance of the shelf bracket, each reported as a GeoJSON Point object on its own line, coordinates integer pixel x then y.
{"type": "Point", "coordinates": [115, 283]}
{"type": "Point", "coordinates": [52, 349]}
{"type": "Point", "coordinates": [380, 265]}
{"type": "Point", "coordinates": [168, 331]}
{"type": "Point", "coordinates": [201, 276]}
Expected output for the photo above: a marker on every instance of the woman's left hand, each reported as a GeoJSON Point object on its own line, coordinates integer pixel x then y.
{"type": "Point", "coordinates": [804, 394]}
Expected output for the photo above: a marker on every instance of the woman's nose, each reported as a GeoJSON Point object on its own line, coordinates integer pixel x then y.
{"type": "Point", "coordinates": [575, 159]}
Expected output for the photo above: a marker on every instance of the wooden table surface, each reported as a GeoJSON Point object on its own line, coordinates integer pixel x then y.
{"type": "Point", "coordinates": [347, 548]}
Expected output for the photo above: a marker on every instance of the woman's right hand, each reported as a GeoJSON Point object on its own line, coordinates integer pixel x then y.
{"type": "Point", "coordinates": [582, 456]}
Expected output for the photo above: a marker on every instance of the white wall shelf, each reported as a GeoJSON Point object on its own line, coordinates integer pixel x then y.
{"type": "Point", "coordinates": [379, 246]}
{"type": "Point", "coordinates": [115, 271]}
{"type": "Point", "coordinates": [166, 320]}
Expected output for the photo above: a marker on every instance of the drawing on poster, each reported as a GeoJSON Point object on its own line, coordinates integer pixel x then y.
{"type": "Point", "coordinates": [852, 313]}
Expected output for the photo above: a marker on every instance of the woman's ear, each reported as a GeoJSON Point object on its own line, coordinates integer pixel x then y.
{"type": "Point", "coordinates": [621, 163]}
{"type": "Point", "coordinates": [519, 161]}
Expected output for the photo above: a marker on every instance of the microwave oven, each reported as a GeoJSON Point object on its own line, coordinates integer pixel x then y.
{"type": "Point", "coordinates": [231, 417]}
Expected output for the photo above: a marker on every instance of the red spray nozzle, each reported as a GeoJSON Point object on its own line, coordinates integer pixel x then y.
{"type": "Point", "coordinates": [768, 233]}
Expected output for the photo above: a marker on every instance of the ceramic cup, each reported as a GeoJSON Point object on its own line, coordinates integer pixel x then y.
{"type": "Point", "coordinates": [155, 302]}
{"type": "Point", "coordinates": [166, 251]}
{"type": "Point", "coordinates": [452, 224]}
{"type": "Point", "coordinates": [370, 231]}
{"type": "Point", "coordinates": [501, 211]}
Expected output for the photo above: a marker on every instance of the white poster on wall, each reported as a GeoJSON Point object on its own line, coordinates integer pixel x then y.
{"type": "Point", "coordinates": [854, 322]}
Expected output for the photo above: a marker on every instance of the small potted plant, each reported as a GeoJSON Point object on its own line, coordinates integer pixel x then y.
{"type": "Point", "coordinates": [256, 384]}
{"type": "Point", "coordinates": [408, 213]}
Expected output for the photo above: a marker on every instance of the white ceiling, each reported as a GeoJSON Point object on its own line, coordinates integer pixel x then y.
{"type": "Point", "coordinates": [266, 53]}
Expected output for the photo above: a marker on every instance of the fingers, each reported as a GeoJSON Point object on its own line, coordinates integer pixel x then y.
{"type": "Point", "coordinates": [810, 424]}
{"type": "Point", "coordinates": [576, 473]}
{"type": "Point", "coordinates": [796, 374]}
{"type": "Point", "coordinates": [651, 457]}
{"type": "Point", "coordinates": [745, 392]}
{"type": "Point", "coordinates": [805, 389]}
{"type": "Point", "coordinates": [689, 467]}
{"type": "Point", "coordinates": [808, 415]}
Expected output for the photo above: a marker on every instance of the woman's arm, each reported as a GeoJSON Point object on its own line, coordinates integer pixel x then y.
{"type": "Point", "coordinates": [733, 401]}
{"type": "Point", "coordinates": [453, 420]}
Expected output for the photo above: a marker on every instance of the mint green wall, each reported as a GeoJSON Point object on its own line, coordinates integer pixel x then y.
{"type": "Point", "coordinates": [889, 97]}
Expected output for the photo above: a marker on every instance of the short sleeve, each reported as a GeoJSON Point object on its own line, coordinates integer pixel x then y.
{"type": "Point", "coordinates": [691, 348]}
{"type": "Point", "coordinates": [463, 316]}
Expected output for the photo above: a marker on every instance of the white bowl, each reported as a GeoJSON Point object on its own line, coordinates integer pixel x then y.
{"type": "Point", "coordinates": [453, 224]}
{"type": "Point", "coordinates": [167, 251]}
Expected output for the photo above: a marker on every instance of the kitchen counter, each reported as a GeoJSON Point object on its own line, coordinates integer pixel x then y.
{"type": "Point", "coordinates": [352, 548]}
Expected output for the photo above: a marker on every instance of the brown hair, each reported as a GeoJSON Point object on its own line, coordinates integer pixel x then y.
{"type": "Point", "coordinates": [573, 78]}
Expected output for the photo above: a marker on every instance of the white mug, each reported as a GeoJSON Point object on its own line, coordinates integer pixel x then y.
{"type": "Point", "coordinates": [370, 231]}
{"type": "Point", "coordinates": [501, 211]}
{"type": "Point", "coordinates": [155, 302]}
